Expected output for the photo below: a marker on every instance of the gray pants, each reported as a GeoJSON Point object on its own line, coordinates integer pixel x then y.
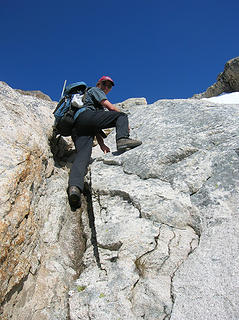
{"type": "Point", "coordinates": [86, 127]}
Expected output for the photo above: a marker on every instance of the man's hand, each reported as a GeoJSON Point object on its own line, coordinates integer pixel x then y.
{"type": "Point", "coordinates": [104, 148]}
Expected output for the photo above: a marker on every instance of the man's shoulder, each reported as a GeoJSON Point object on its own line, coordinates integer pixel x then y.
{"type": "Point", "coordinates": [97, 92]}
{"type": "Point", "coordinates": [94, 89]}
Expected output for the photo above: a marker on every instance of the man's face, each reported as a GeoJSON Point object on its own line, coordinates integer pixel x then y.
{"type": "Point", "coordinates": [106, 86]}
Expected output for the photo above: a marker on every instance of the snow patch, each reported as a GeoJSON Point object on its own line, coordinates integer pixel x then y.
{"type": "Point", "coordinates": [225, 98]}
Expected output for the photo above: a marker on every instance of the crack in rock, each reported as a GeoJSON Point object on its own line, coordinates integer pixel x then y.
{"type": "Point", "coordinates": [160, 265]}
{"type": "Point", "coordinates": [90, 210]}
{"type": "Point", "coordinates": [138, 264]}
{"type": "Point", "coordinates": [122, 194]}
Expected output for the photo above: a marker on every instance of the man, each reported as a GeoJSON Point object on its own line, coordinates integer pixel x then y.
{"type": "Point", "coordinates": [92, 118]}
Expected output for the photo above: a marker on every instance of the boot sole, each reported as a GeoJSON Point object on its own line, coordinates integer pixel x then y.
{"type": "Point", "coordinates": [75, 201]}
{"type": "Point", "coordinates": [127, 147]}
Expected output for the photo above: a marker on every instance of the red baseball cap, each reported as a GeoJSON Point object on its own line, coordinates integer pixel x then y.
{"type": "Point", "coordinates": [105, 78]}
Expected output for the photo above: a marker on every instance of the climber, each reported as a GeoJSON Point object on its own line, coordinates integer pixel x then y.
{"type": "Point", "coordinates": [89, 124]}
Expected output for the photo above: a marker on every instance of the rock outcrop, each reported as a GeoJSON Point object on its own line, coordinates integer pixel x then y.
{"type": "Point", "coordinates": [157, 236]}
{"type": "Point", "coordinates": [227, 81]}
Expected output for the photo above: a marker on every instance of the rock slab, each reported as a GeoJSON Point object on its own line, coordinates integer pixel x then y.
{"type": "Point", "coordinates": [165, 218]}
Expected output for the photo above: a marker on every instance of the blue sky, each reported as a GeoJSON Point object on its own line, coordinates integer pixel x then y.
{"type": "Point", "coordinates": [153, 49]}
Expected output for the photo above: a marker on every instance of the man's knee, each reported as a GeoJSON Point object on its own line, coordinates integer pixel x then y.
{"type": "Point", "coordinates": [123, 115]}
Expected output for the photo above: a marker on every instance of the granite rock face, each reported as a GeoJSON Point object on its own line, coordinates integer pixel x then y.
{"type": "Point", "coordinates": [39, 254]}
{"type": "Point", "coordinates": [227, 81]}
{"type": "Point", "coordinates": [166, 219]}
{"type": "Point", "coordinates": [157, 235]}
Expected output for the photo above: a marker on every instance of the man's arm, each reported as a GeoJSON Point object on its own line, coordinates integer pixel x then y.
{"type": "Point", "coordinates": [109, 105]}
{"type": "Point", "coordinates": [103, 147]}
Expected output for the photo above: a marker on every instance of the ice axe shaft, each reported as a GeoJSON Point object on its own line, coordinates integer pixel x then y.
{"type": "Point", "coordinates": [63, 89]}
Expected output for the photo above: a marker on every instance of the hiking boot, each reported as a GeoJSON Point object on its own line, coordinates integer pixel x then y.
{"type": "Point", "coordinates": [74, 196]}
{"type": "Point", "coordinates": [127, 143]}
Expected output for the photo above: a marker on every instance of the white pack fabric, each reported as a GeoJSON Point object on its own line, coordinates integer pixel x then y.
{"type": "Point", "coordinates": [77, 100]}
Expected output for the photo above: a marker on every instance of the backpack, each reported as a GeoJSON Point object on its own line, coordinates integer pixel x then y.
{"type": "Point", "coordinates": [71, 101]}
